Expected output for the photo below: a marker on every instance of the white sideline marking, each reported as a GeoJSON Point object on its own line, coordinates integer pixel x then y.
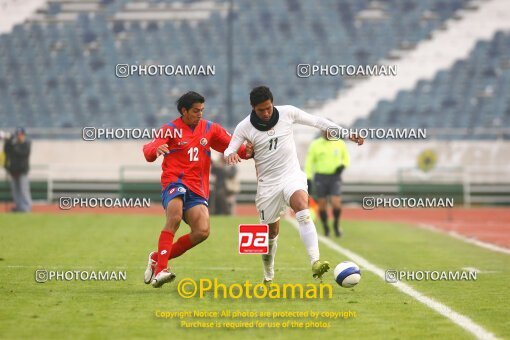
{"type": "Point", "coordinates": [473, 269]}
{"type": "Point", "coordinates": [463, 321]}
{"type": "Point", "coordinates": [466, 239]}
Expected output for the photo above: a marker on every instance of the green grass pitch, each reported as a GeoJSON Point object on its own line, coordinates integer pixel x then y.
{"type": "Point", "coordinates": [126, 309]}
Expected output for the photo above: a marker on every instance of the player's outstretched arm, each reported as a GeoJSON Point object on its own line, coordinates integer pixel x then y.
{"type": "Point", "coordinates": [236, 143]}
{"type": "Point", "coordinates": [301, 117]}
{"type": "Point", "coordinates": [156, 147]}
{"type": "Point", "coordinates": [356, 139]}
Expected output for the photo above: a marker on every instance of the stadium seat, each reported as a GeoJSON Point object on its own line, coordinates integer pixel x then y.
{"type": "Point", "coordinates": [76, 60]}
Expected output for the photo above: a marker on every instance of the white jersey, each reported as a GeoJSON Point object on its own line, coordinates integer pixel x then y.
{"type": "Point", "coordinates": [275, 150]}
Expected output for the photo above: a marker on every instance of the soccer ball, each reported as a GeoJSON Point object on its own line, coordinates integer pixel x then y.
{"type": "Point", "coordinates": [347, 274]}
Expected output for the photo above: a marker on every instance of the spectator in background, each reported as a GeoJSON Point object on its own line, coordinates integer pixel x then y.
{"type": "Point", "coordinates": [226, 186]}
{"type": "Point", "coordinates": [325, 162]}
{"type": "Point", "coordinates": [17, 153]}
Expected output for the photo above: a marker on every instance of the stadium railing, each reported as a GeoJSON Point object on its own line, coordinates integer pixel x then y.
{"type": "Point", "coordinates": [468, 186]}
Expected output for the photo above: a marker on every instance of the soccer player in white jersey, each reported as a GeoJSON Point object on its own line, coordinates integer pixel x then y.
{"type": "Point", "coordinates": [281, 182]}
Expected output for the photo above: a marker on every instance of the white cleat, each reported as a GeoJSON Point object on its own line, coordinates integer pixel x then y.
{"type": "Point", "coordinates": [149, 271]}
{"type": "Point", "coordinates": [163, 277]}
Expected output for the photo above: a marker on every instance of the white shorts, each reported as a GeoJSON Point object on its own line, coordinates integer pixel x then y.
{"type": "Point", "coordinates": [271, 201]}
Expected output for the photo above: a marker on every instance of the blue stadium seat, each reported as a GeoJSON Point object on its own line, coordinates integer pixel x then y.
{"type": "Point", "coordinates": [71, 66]}
{"type": "Point", "coordinates": [473, 93]}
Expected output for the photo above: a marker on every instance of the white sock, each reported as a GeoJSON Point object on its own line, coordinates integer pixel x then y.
{"type": "Point", "coordinates": [308, 234]}
{"type": "Point", "coordinates": [268, 259]}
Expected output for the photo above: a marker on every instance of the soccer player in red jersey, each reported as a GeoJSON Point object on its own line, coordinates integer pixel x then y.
{"type": "Point", "coordinates": [185, 144]}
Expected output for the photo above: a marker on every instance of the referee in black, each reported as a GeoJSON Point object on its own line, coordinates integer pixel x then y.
{"type": "Point", "coordinates": [325, 163]}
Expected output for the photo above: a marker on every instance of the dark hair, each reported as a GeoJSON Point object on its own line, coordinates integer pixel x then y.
{"type": "Point", "coordinates": [260, 94]}
{"type": "Point", "coordinates": [188, 99]}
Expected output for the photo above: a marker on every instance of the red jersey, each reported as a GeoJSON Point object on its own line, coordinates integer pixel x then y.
{"type": "Point", "coordinates": [189, 159]}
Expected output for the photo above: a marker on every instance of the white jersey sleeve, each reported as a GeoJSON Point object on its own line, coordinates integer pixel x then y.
{"type": "Point", "coordinates": [237, 140]}
{"type": "Point", "coordinates": [301, 117]}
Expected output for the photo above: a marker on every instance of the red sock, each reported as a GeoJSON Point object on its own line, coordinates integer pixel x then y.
{"type": "Point", "coordinates": [164, 248]}
{"type": "Point", "coordinates": [181, 246]}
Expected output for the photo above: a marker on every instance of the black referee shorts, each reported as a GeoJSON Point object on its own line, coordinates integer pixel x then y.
{"type": "Point", "coordinates": [327, 185]}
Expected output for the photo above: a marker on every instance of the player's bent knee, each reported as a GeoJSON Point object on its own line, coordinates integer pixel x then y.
{"type": "Point", "coordinates": [205, 234]}
{"type": "Point", "coordinates": [200, 235]}
{"type": "Point", "coordinates": [299, 201]}
{"type": "Point", "coordinates": [301, 205]}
